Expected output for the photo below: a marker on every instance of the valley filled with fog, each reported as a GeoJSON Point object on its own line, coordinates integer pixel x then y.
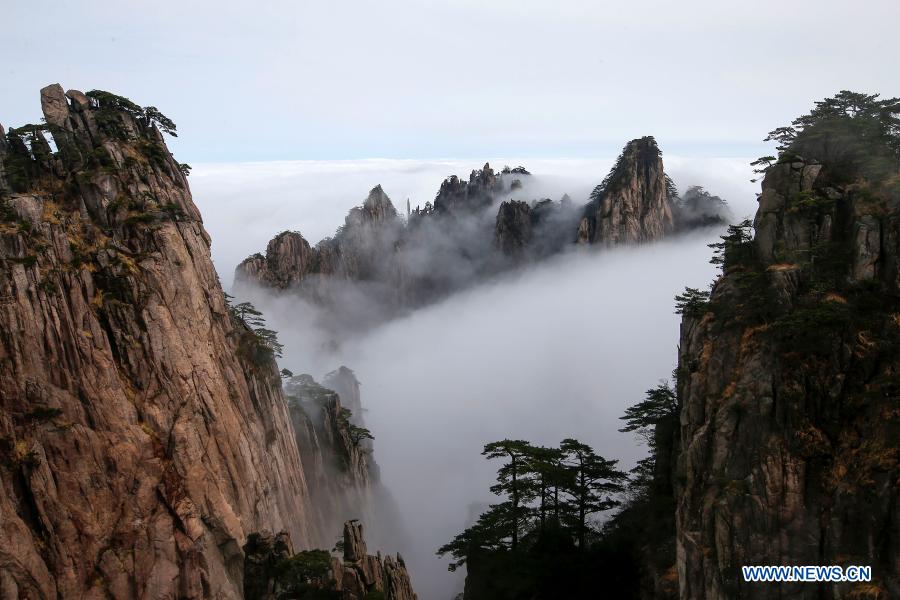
{"type": "Point", "coordinates": [555, 350]}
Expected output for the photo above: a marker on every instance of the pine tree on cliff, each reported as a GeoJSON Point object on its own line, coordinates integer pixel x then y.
{"type": "Point", "coordinates": [658, 405]}
{"type": "Point", "coordinates": [548, 475]}
{"type": "Point", "coordinates": [735, 246]}
{"type": "Point", "coordinates": [511, 479]}
{"type": "Point", "coordinates": [595, 480]}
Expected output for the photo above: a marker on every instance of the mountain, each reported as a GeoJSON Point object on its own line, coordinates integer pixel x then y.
{"type": "Point", "coordinates": [634, 203]}
{"type": "Point", "coordinates": [144, 434]}
{"type": "Point", "coordinates": [789, 376]}
{"type": "Point", "coordinates": [377, 265]}
{"type": "Point", "coordinates": [777, 445]}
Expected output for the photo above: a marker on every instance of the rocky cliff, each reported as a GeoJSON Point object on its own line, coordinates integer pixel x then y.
{"type": "Point", "coordinates": [336, 450]}
{"type": "Point", "coordinates": [275, 571]}
{"type": "Point", "coordinates": [144, 434]}
{"type": "Point", "coordinates": [138, 450]}
{"type": "Point", "coordinates": [634, 203]}
{"type": "Point", "coordinates": [362, 249]}
{"type": "Point", "coordinates": [361, 575]}
{"type": "Point", "coordinates": [789, 377]}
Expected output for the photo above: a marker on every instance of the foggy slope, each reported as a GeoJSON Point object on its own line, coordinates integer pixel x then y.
{"type": "Point", "coordinates": [557, 350]}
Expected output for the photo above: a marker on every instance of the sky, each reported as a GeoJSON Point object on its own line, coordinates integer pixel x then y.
{"type": "Point", "coordinates": [289, 79]}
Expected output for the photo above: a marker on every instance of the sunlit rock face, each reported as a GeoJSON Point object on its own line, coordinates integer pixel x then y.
{"type": "Point", "coordinates": [138, 447]}
{"type": "Point", "coordinates": [789, 388]}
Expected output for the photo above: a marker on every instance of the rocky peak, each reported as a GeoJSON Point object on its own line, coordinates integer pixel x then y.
{"type": "Point", "coordinates": [358, 249]}
{"type": "Point", "coordinates": [288, 260]}
{"type": "Point", "coordinates": [273, 571]}
{"type": "Point", "coordinates": [698, 208]}
{"type": "Point", "coordinates": [343, 381]}
{"type": "Point", "coordinates": [354, 543]}
{"type": "Point", "coordinates": [788, 385]}
{"type": "Point", "coordinates": [378, 205]}
{"type": "Point", "coordinates": [513, 229]}
{"type": "Point", "coordinates": [162, 437]}
{"type": "Point", "coordinates": [632, 205]}
{"type": "Point", "coordinates": [377, 208]}
{"type": "Point", "coordinates": [458, 196]}
{"type": "Point", "coordinates": [361, 575]}
{"type": "Point", "coordinates": [334, 448]}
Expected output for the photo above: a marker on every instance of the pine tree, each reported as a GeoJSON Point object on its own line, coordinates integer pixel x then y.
{"type": "Point", "coordinates": [512, 479]}
{"type": "Point", "coordinates": [735, 247]}
{"type": "Point", "coordinates": [594, 482]}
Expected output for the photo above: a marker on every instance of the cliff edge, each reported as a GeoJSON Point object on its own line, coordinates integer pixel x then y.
{"type": "Point", "coordinates": [142, 436]}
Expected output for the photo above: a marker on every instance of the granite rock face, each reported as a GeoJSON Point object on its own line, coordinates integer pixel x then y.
{"type": "Point", "coordinates": [514, 229]}
{"type": "Point", "coordinates": [634, 204]}
{"type": "Point", "coordinates": [789, 383]}
{"type": "Point", "coordinates": [137, 447]}
{"type": "Point", "coordinates": [271, 571]}
{"type": "Point", "coordinates": [361, 574]}
{"type": "Point", "coordinates": [337, 458]}
{"type": "Point", "coordinates": [377, 264]}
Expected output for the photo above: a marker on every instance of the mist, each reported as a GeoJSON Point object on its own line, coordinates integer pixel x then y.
{"type": "Point", "coordinates": [245, 204]}
{"type": "Point", "coordinates": [555, 350]}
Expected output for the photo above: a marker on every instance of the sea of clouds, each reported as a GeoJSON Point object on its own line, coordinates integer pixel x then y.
{"type": "Point", "coordinates": [556, 350]}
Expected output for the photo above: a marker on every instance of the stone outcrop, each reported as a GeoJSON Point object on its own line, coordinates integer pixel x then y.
{"type": "Point", "coordinates": [514, 229]}
{"type": "Point", "coordinates": [789, 381]}
{"type": "Point", "coordinates": [459, 196]}
{"type": "Point", "coordinates": [698, 208]}
{"type": "Point", "coordinates": [531, 232]}
{"type": "Point", "coordinates": [341, 476]}
{"type": "Point", "coordinates": [137, 447]}
{"type": "Point", "coordinates": [361, 574]}
{"type": "Point", "coordinates": [361, 250]}
{"type": "Point", "coordinates": [634, 204]}
{"type": "Point", "coordinates": [273, 571]}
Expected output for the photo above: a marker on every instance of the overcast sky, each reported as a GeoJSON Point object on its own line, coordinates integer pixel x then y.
{"type": "Point", "coordinates": [287, 79]}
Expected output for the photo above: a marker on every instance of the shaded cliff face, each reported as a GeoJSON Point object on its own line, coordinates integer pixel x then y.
{"type": "Point", "coordinates": [334, 450]}
{"type": "Point", "coordinates": [789, 380]}
{"type": "Point", "coordinates": [633, 204]}
{"type": "Point", "coordinates": [136, 449]}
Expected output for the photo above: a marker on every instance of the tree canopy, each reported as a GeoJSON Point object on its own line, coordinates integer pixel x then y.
{"type": "Point", "coordinates": [252, 320]}
{"type": "Point", "coordinates": [855, 133]}
{"type": "Point", "coordinates": [108, 103]}
{"type": "Point", "coordinates": [544, 492]}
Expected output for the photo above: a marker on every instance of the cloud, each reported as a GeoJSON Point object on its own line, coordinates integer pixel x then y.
{"type": "Point", "coordinates": [557, 351]}
{"type": "Point", "coordinates": [553, 351]}
{"type": "Point", "coordinates": [245, 204]}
